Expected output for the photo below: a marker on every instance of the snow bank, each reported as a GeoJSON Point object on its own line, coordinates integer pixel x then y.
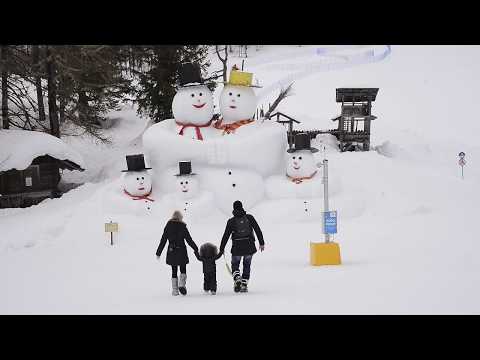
{"type": "Point", "coordinates": [18, 148]}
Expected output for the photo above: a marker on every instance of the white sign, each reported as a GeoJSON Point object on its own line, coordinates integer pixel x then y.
{"type": "Point", "coordinates": [28, 181]}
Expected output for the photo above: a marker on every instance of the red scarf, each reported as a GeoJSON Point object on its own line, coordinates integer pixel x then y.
{"type": "Point", "coordinates": [230, 128]}
{"type": "Point", "coordinates": [142, 197]}
{"type": "Point", "coordinates": [300, 179]}
{"type": "Point", "coordinates": [197, 128]}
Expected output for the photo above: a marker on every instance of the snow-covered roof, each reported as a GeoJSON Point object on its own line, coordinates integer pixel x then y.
{"type": "Point", "coordinates": [18, 148]}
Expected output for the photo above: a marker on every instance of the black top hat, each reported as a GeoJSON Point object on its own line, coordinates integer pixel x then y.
{"type": "Point", "coordinates": [185, 168]}
{"type": "Point", "coordinates": [302, 142]}
{"type": "Point", "coordinates": [135, 163]}
{"type": "Point", "coordinates": [190, 75]}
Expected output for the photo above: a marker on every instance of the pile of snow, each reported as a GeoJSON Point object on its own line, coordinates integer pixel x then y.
{"type": "Point", "coordinates": [18, 148]}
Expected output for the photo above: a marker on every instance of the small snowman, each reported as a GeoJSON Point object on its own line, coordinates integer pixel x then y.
{"type": "Point", "coordinates": [192, 105]}
{"type": "Point", "coordinates": [137, 182]}
{"type": "Point", "coordinates": [301, 164]}
{"type": "Point", "coordinates": [301, 180]}
{"type": "Point", "coordinates": [188, 187]}
{"type": "Point", "coordinates": [238, 102]}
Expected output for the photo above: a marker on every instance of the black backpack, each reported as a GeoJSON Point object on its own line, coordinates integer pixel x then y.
{"type": "Point", "coordinates": [243, 229]}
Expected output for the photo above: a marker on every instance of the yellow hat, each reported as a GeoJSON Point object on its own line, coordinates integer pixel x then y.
{"type": "Point", "coordinates": [241, 78]}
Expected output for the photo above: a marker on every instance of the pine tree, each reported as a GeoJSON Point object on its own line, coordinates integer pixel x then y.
{"type": "Point", "coordinates": [157, 80]}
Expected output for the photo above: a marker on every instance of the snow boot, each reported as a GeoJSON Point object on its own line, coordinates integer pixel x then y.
{"type": "Point", "coordinates": [244, 287]}
{"type": "Point", "coordinates": [237, 281]}
{"type": "Point", "coordinates": [182, 282]}
{"type": "Point", "coordinates": [213, 292]}
{"type": "Point", "coordinates": [174, 286]}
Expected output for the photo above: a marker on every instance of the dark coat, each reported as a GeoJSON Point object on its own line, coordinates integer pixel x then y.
{"type": "Point", "coordinates": [208, 255]}
{"type": "Point", "coordinates": [209, 265]}
{"type": "Point", "coordinates": [176, 233]}
{"type": "Point", "coordinates": [242, 247]}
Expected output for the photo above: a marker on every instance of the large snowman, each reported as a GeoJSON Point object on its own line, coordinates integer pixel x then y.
{"type": "Point", "coordinates": [132, 192]}
{"type": "Point", "coordinates": [192, 105]}
{"type": "Point", "coordinates": [235, 141]}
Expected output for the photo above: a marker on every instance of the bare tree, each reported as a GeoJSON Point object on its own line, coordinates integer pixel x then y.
{"type": "Point", "coordinates": [223, 59]}
{"type": "Point", "coordinates": [52, 94]}
{"type": "Point", "coordinates": [4, 74]}
{"type": "Point", "coordinates": [283, 94]}
{"type": "Point", "coordinates": [38, 83]}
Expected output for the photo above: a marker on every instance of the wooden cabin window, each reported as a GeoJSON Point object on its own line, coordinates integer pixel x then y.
{"type": "Point", "coordinates": [359, 125]}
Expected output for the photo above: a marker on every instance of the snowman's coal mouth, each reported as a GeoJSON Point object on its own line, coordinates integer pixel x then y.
{"type": "Point", "coordinates": [233, 107]}
{"type": "Point", "coordinates": [184, 190]}
{"type": "Point", "coordinates": [199, 106]}
{"type": "Point", "coordinates": [296, 168]}
{"type": "Point", "coordinates": [141, 188]}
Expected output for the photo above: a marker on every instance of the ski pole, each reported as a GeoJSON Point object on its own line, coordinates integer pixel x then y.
{"type": "Point", "coordinates": [228, 267]}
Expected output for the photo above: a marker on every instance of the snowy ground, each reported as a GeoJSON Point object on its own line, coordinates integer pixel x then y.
{"type": "Point", "coordinates": [407, 221]}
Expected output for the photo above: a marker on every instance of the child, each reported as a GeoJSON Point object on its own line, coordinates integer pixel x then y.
{"type": "Point", "coordinates": [208, 254]}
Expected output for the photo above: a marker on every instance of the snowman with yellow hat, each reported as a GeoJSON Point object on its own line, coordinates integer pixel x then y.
{"type": "Point", "coordinates": [238, 102]}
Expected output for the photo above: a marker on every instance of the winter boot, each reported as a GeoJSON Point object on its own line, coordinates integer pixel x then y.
{"type": "Point", "coordinates": [244, 287]}
{"type": "Point", "coordinates": [237, 279]}
{"type": "Point", "coordinates": [213, 292]}
{"type": "Point", "coordinates": [181, 284]}
{"type": "Point", "coordinates": [174, 286]}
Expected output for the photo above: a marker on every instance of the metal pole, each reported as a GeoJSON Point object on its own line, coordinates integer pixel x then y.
{"type": "Point", "coordinates": [111, 236]}
{"type": "Point", "coordinates": [325, 196]}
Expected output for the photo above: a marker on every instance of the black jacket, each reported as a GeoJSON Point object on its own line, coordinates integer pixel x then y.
{"type": "Point", "coordinates": [209, 263]}
{"type": "Point", "coordinates": [241, 247]}
{"type": "Point", "coordinates": [176, 233]}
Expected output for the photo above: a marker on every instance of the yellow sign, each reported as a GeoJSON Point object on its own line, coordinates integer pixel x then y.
{"type": "Point", "coordinates": [111, 227]}
{"type": "Point", "coordinates": [325, 254]}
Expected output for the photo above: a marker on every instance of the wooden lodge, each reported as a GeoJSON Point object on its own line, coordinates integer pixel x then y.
{"type": "Point", "coordinates": [23, 188]}
{"type": "Point", "coordinates": [355, 118]}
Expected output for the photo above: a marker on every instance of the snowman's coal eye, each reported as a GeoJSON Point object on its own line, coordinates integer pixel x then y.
{"type": "Point", "coordinates": [230, 94]}
{"type": "Point", "coordinates": [293, 157]}
{"type": "Point", "coordinates": [234, 185]}
{"type": "Point", "coordinates": [138, 178]}
{"type": "Point", "coordinates": [200, 94]}
{"type": "Point", "coordinates": [229, 173]}
{"type": "Point", "coordinates": [143, 178]}
{"type": "Point", "coordinates": [186, 182]}
{"type": "Point", "coordinates": [238, 95]}
{"type": "Point", "coordinates": [193, 95]}
{"type": "Point", "coordinates": [299, 158]}
{"type": "Point", "coordinates": [181, 183]}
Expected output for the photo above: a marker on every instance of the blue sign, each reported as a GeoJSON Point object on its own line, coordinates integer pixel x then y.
{"type": "Point", "coordinates": [330, 222]}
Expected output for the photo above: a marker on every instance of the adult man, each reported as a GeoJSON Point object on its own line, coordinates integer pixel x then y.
{"type": "Point", "coordinates": [241, 227]}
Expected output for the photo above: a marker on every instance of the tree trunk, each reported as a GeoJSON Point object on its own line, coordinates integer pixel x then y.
{"type": "Point", "coordinates": [38, 84]}
{"type": "Point", "coordinates": [83, 107]}
{"type": "Point", "coordinates": [52, 95]}
{"type": "Point", "coordinates": [5, 121]}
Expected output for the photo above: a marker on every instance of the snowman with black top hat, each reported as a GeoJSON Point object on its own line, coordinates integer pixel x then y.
{"type": "Point", "coordinates": [137, 182]}
{"type": "Point", "coordinates": [185, 193]}
{"type": "Point", "coordinates": [192, 105]}
{"type": "Point", "coordinates": [302, 178]}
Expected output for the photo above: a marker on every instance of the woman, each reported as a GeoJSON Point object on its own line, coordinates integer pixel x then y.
{"type": "Point", "coordinates": [176, 232]}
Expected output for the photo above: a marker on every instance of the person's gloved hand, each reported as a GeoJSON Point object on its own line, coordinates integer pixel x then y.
{"type": "Point", "coordinates": [197, 255]}
{"type": "Point", "coordinates": [158, 257]}
{"type": "Point", "coordinates": [262, 247]}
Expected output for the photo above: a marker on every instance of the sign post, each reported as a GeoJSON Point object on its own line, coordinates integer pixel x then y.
{"type": "Point", "coordinates": [462, 161]}
{"type": "Point", "coordinates": [327, 253]}
{"type": "Point", "coordinates": [111, 227]}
